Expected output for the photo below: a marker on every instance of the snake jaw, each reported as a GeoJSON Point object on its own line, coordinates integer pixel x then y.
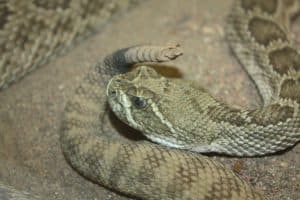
{"type": "Point", "coordinates": [119, 102]}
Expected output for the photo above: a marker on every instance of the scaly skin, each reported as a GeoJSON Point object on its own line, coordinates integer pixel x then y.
{"type": "Point", "coordinates": [182, 115]}
{"type": "Point", "coordinates": [140, 169]}
{"type": "Point", "coordinates": [148, 171]}
{"type": "Point", "coordinates": [34, 31]}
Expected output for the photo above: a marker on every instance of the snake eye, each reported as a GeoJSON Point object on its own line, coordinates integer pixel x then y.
{"type": "Point", "coordinates": [139, 102]}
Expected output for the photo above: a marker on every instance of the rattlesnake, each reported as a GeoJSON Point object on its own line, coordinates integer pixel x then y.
{"type": "Point", "coordinates": [151, 171]}
{"type": "Point", "coordinates": [183, 115]}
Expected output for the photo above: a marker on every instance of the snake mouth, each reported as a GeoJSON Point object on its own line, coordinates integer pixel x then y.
{"type": "Point", "coordinates": [166, 141]}
{"type": "Point", "coordinates": [119, 102]}
{"type": "Point", "coordinates": [110, 91]}
{"type": "Point", "coordinates": [114, 92]}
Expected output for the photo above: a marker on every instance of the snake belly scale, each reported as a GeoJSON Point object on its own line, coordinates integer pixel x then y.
{"type": "Point", "coordinates": [257, 31]}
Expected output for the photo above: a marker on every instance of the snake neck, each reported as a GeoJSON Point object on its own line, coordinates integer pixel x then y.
{"type": "Point", "coordinates": [186, 116]}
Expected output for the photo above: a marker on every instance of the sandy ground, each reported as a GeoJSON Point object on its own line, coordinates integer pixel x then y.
{"type": "Point", "coordinates": [31, 110]}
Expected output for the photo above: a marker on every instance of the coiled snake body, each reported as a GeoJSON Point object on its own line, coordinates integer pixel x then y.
{"type": "Point", "coordinates": [180, 114]}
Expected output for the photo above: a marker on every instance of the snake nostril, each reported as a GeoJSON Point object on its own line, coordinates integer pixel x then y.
{"type": "Point", "coordinates": [112, 93]}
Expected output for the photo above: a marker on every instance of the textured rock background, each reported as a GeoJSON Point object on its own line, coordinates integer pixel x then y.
{"type": "Point", "coordinates": [31, 110]}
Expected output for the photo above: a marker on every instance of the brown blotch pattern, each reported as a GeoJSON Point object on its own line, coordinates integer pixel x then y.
{"type": "Point", "coordinates": [265, 31]}
{"type": "Point", "coordinates": [22, 40]}
{"type": "Point", "coordinates": [187, 92]}
{"type": "Point", "coordinates": [155, 158]}
{"type": "Point", "coordinates": [285, 59]}
{"type": "Point", "coordinates": [219, 192]}
{"type": "Point", "coordinates": [224, 113]}
{"type": "Point", "coordinates": [53, 4]}
{"type": "Point", "coordinates": [272, 114]}
{"type": "Point", "coordinates": [268, 6]}
{"type": "Point", "coordinates": [4, 13]}
{"type": "Point", "coordinates": [187, 176]}
{"type": "Point", "coordinates": [184, 177]}
{"type": "Point", "coordinates": [166, 90]}
{"type": "Point", "coordinates": [120, 164]}
{"type": "Point", "coordinates": [63, 26]}
{"type": "Point", "coordinates": [91, 9]}
{"type": "Point", "coordinates": [195, 103]}
{"type": "Point", "coordinates": [290, 89]}
{"type": "Point", "coordinates": [152, 161]}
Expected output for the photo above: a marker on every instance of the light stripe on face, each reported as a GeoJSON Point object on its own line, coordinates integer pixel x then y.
{"type": "Point", "coordinates": [127, 105]}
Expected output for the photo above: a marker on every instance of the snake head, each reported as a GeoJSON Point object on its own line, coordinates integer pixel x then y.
{"type": "Point", "coordinates": [133, 96]}
{"type": "Point", "coordinates": [161, 108]}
